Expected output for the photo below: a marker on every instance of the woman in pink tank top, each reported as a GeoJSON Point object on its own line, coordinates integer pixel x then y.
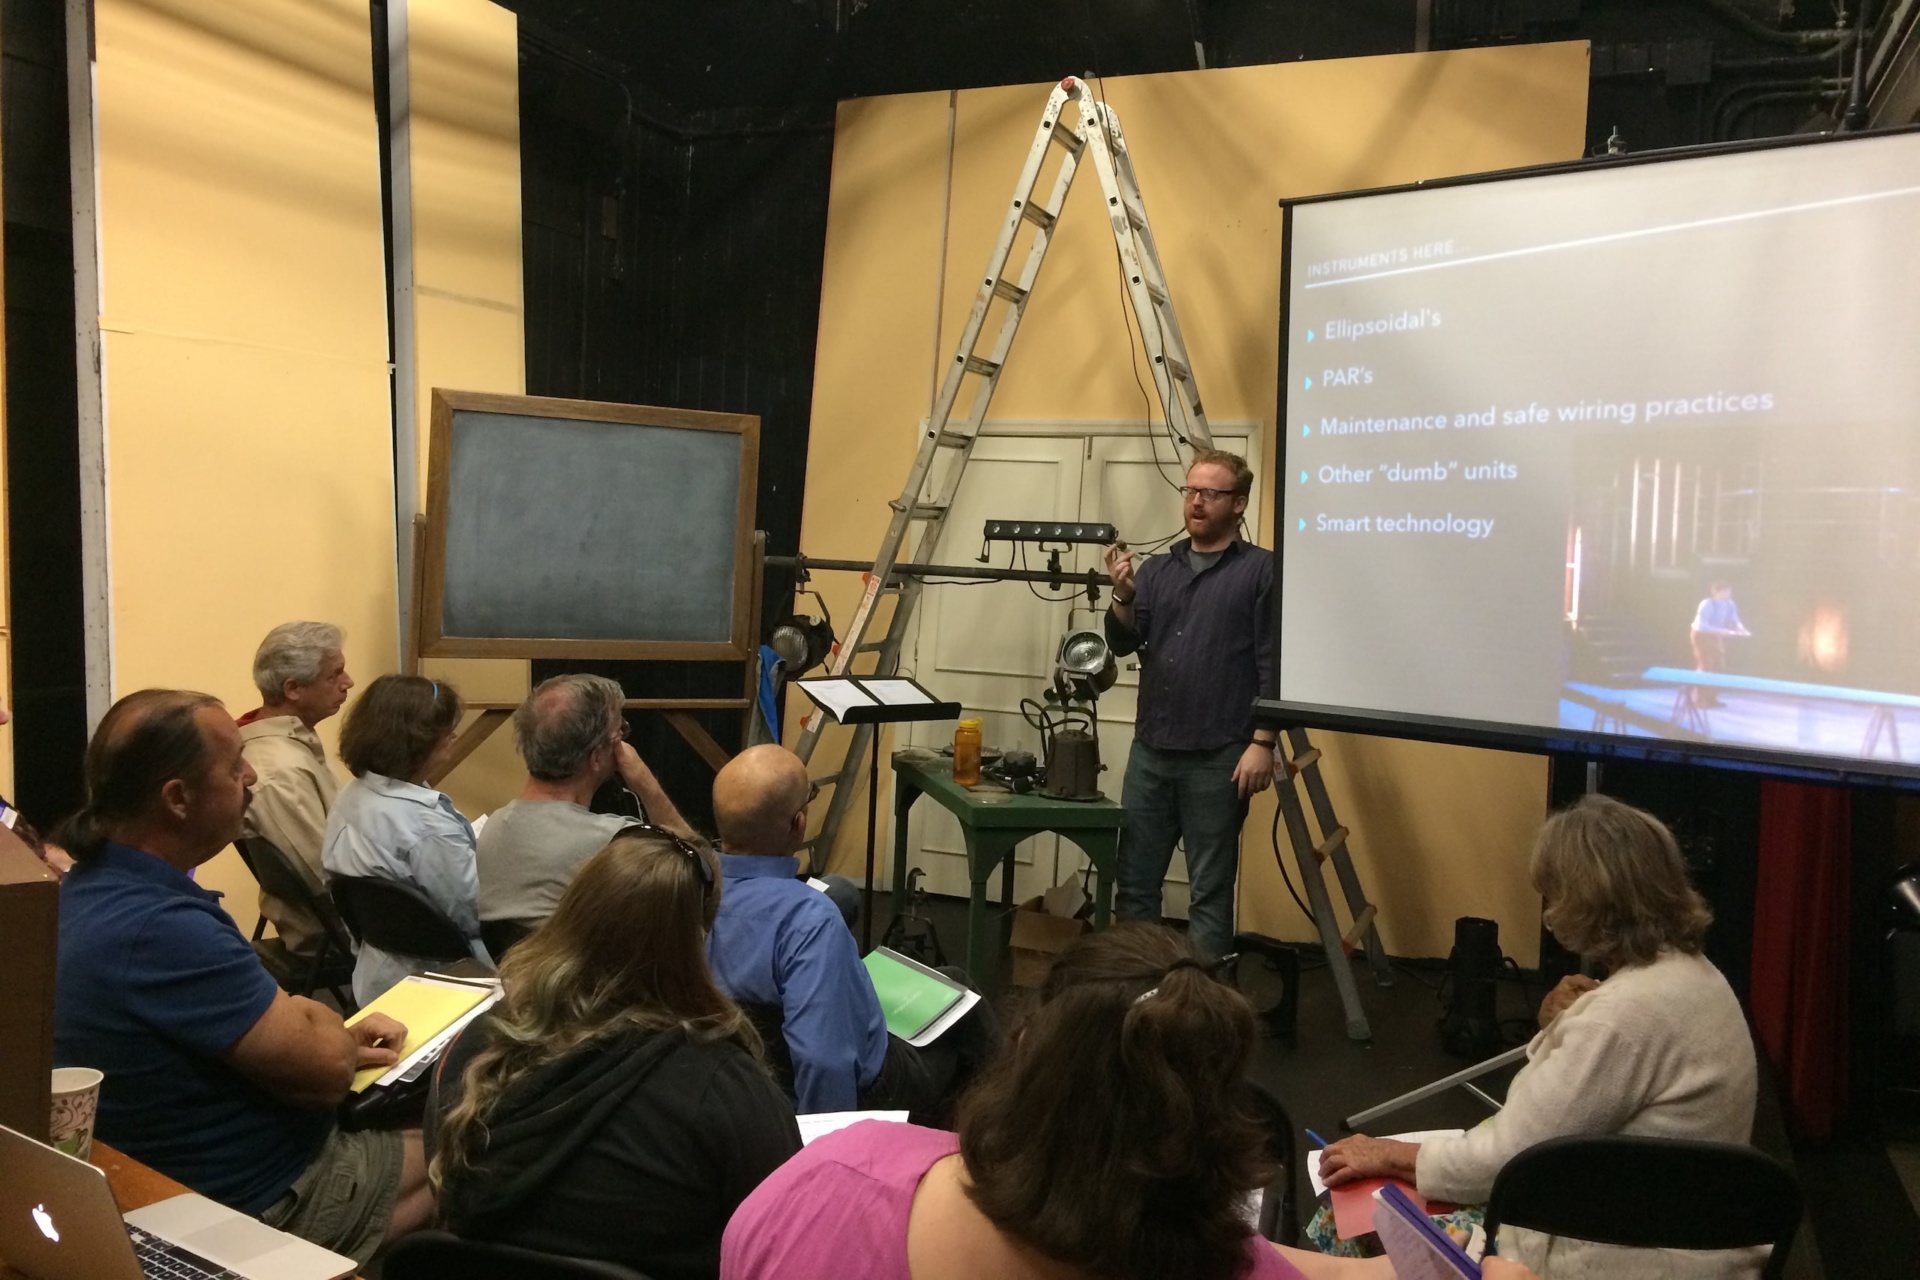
{"type": "Point", "coordinates": [1112, 1139]}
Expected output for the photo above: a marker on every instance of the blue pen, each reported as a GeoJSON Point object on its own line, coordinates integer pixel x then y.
{"type": "Point", "coordinates": [1318, 1141]}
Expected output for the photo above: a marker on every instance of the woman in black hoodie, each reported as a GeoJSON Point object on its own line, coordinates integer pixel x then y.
{"type": "Point", "coordinates": [614, 1104]}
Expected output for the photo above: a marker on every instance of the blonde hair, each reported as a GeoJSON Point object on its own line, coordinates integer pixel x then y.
{"type": "Point", "coordinates": [624, 951]}
{"type": "Point", "coordinates": [1614, 886]}
{"type": "Point", "coordinates": [1242, 473]}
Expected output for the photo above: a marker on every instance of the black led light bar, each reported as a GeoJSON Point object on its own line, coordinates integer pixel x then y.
{"type": "Point", "coordinates": [1050, 531]}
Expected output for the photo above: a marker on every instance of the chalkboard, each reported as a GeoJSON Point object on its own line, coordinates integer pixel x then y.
{"type": "Point", "coordinates": [566, 528]}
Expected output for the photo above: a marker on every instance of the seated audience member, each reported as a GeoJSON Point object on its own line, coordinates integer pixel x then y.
{"type": "Point", "coordinates": [301, 672]}
{"type": "Point", "coordinates": [612, 1106]}
{"type": "Point", "coordinates": [572, 734]}
{"type": "Point", "coordinates": [781, 945]}
{"type": "Point", "coordinates": [1113, 1139]}
{"type": "Point", "coordinates": [1659, 1049]}
{"type": "Point", "coordinates": [56, 859]}
{"type": "Point", "coordinates": [388, 822]}
{"type": "Point", "coordinates": [214, 1076]}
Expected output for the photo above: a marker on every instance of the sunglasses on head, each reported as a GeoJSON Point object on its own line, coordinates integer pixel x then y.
{"type": "Point", "coordinates": [701, 864]}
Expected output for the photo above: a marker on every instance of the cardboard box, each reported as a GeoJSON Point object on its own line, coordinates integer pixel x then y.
{"type": "Point", "coordinates": [1036, 939]}
{"type": "Point", "coordinates": [30, 924]}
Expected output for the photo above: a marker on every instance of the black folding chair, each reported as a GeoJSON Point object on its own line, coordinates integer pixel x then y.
{"type": "Point", "coordinates": [397, 917]}
{"type": "Point", "coordinates": [332, 966]}
{"type": "Point", "coordinates": [1650, 1193]}
{"type": "Point", "coordinates": [770, 1020]}
{"type": "Point", "coordinates": [501, 936]}
{"type": "Point", "coordinates": [1279, 1205]}
{"type": "Point", "coordinates": [439, 1255]}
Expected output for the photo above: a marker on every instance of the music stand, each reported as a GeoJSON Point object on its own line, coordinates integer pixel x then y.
{"type": "Point", "coordinates": [874, 700]}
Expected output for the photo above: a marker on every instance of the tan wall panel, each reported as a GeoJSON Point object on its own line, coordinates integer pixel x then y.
{"type": "Point", "coordinates": [244, 338]}
{"type": "Point", "coordinates": [1439, 832]}
{"type": "Point", "coordinates": [463, 64]}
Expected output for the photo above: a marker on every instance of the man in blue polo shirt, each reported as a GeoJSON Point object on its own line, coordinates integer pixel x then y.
{"type": "Point", "coordinates": [214, 1076]}
{"type": "Point", "coordinates": [781, 945]}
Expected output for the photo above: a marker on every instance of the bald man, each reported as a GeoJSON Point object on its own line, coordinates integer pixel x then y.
{"type": "Point", "coordinates": [783, 947]}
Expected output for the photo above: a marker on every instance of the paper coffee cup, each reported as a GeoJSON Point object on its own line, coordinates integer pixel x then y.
{"type": "Point", "coordinates": [76, 1100]}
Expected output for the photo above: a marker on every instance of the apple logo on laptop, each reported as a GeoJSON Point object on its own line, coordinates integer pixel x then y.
{"type": "Point", "coordinates": [44, 1220]}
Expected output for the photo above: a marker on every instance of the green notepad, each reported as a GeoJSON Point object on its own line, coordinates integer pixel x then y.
{"type": "Point", "coordinates": [912, 996]}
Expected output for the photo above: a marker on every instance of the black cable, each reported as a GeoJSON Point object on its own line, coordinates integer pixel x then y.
{"type": "Point", "coordinates": [1074, 594]}
{"type": "Point", "coordinates": [1281, 859]}
{"type": "Point", "coordinates": [1133, 322]}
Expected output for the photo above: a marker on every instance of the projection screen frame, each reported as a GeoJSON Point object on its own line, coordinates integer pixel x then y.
{"type": "Point", "coordinates": [1274, 712]}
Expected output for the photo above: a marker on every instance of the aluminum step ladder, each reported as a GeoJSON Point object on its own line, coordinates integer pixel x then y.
{"type": "Point", "coordinates": [1083, 128]}
{"type": "Point", "coordinates": [1301, 767]}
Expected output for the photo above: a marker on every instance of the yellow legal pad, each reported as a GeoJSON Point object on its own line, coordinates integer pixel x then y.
{"type": "Point", "coordinates": [425, 1008]}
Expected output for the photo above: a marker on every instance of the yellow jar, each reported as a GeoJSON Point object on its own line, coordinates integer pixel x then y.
{"type": "Point", "coordinates": [966, 753]}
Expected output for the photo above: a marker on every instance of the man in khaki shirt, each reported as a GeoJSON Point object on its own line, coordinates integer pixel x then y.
{"type": "Point", "coordinates": [301, 672]}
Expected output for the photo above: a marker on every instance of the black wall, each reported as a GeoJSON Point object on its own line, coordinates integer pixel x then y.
{"type": "Point", "coordinates": [42, 437]}
{"type": "Point", "coordinates": [674, 263]}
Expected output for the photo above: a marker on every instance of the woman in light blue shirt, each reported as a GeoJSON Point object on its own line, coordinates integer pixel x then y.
{"type": "Point", "coordinates": [387, 822]}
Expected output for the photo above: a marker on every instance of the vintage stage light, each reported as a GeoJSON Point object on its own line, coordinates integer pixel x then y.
{"type": "Point", "coordinates": [803, 643]}
{"type": "Point", "coordinates": [1085, 668]}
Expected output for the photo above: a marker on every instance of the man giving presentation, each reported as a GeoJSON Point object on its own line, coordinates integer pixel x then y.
{"type": "Point", "coordinates": [1198, 618]}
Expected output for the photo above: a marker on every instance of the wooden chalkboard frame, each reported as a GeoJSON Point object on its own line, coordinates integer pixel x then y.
{"type": "Point", "coordinates": [739, 647]}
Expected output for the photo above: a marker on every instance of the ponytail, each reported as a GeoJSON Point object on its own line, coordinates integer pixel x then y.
{"type": "Point", "coordinates": [1117, 1133]}
{"type": "Point", "coordinates": [146, 740]}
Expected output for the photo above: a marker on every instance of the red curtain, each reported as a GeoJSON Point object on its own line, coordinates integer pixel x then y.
{"type": "Point", "coordinates": [1801, 936]}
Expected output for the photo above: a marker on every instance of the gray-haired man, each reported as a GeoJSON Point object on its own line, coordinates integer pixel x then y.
{"type": "Point", "coordinates": [572, 734]}
{"type": "Point", "coordinates": [301, 672]}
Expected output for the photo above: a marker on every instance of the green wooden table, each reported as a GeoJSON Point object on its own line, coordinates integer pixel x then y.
{"type": "Point", "coordinates": [993, 821]}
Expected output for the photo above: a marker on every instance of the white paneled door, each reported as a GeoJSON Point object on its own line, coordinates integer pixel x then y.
{"type": "Point", "coordinates": [988, 646]}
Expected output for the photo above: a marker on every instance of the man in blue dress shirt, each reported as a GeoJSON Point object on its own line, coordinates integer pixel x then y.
{"type": "Point", "coordinates": [782, 949]}
{"type": "Point", "coordinates": [214, 1076]}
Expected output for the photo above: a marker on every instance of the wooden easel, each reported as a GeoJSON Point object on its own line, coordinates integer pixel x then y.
{"type": "Point", "coordinates": [678, 711]}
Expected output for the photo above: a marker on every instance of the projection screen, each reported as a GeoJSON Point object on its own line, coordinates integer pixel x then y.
{"type": "Point", "coordinates": [1619, 456]}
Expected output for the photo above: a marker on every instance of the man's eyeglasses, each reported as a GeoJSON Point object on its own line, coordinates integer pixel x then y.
{"type": "Point", "coordinates": [1206, 495]}
{"type": "Point", "coordinates": [700, 861]}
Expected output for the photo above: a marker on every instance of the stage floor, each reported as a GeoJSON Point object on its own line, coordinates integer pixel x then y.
{"type": "Point", "coordinates": [1749, 719]}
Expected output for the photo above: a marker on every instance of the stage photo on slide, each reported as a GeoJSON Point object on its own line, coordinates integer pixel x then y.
{"type": "Point", "coordinates": [1748, 587]}
{"type": "Point", "coordinates": [1623, 457]}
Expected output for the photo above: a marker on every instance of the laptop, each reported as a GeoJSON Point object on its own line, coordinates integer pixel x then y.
{"type": "Point", "coordinates": [58, 1221]}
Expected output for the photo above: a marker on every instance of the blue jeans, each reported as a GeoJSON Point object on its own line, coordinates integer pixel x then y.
{"type": "Point", "coordinates": [1186, 797]}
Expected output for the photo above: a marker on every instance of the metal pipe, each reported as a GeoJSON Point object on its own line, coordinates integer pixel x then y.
{"type": "Point", "coordinates": [1084, 578]}
{"type": "Point", "coordinates": [1855, 117]}
{"type": "Point", "coordinates": [1722, 107]}
{"type": "Point", "coordinates": [1738, 17]}
{"type": "Point", "coordinates": [1778, 99]}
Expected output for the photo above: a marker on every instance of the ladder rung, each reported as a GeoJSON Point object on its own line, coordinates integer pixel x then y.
{"type": "Point", "coordinates": [922, 511]}
{"type": "Point", "coordinates": [871, 646]}
{"type": "Point", "coordinates": [1360, 926]}
{"type": "Point", "coordinates": [1305, 759]}
{"type": "Point", "coordinates": [955, 439]}
{"type": "Point", "coordinates": [982, 366]}
{"type": "Point", "coordinates": [1156, 291]}
{"type": "Point", "coordinates": [1336, 838]}
{"type": "Point", "coordinates": [830, 780]}
{"type": "Point", "coordinates": [1135, 214]}
{"type": "Point", "coordinates": [1038, 216]}
{"type": "Point", "coordinates": [1066, 137]}
{"type": "Point", "coordinates": [1179, 370]}
{"type": "Point", "coordinates": [1005, 288]}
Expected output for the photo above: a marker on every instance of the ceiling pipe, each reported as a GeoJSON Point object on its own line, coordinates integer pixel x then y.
{"type": "Point", "coordinates": [1855, 118]}
{"type": "Point", "coordinates": [1733, 14]}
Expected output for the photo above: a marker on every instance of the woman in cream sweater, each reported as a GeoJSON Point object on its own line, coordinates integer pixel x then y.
{"type": "Point", "coordinates": [1659, 1049]}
